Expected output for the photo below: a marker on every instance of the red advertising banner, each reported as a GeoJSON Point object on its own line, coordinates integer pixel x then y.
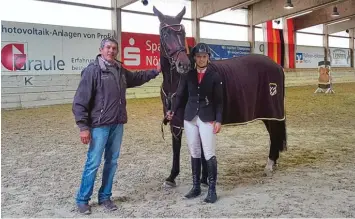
{"type": "Point", "coordinates": [142, 51]}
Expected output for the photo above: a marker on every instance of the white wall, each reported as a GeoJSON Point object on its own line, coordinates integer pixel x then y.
{"type": "Point", "coordinates": [21, 91]}
{"type": "Point", "coordinates": [225, 42]}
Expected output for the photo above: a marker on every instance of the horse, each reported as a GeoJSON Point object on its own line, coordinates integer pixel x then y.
{"type": "Point", "coordinates": [253, 87]}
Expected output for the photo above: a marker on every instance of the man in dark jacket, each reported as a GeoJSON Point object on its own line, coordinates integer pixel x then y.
{"type": "Point", "coordinates": [99, 108]}
{"type": "Point", "coordinates": [202, 118]}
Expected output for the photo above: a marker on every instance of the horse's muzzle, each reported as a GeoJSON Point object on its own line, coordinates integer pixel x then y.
{"type": "Point", "coordinates": [182, 68]}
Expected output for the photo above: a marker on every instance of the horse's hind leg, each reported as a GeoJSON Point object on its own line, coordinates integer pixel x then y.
{"type": "Point", "coordinates": [175, 170]}
{"type": "Point", "coordinates": [276, 140]}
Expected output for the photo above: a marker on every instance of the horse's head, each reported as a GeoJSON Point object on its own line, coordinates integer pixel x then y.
{"type": "Point", "coordinates": [172, 40]}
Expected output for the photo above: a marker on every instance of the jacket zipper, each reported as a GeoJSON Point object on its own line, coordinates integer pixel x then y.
{"type": "Point", "coordinates": [119, 88]}
{"type": "Point", "coordinates": [102, 109]}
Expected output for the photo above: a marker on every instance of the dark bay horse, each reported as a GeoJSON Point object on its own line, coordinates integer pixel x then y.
{"type": "Point", "coordinates": [253, 86]}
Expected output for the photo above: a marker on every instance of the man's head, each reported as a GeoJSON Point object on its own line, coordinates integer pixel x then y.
{"type": "Point", "coordinates": [201, 53]}
{"type": "Point", "coordinates": [109, 49]}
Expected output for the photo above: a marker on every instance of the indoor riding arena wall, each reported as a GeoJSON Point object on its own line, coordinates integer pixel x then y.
{"type": "Point", "coordinates": [26, 91]}
{"type": "Point", "coordinates": [29, 88]}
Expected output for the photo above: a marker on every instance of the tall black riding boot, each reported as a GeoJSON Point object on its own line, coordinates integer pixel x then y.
{"type": "Point", "coordinates": [212, 177]}
{"type": "Point", "coordinates": [196, 172]}
{"type": "Point", "coordinates": [204, 169]}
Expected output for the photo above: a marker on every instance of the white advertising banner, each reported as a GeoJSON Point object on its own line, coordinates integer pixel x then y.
{"type": "Point", "coordinates": [260, 48]}
{"type": "Point", "coordinates": [37, 49]}
{"type": "Point", "coordinates": [308, 57]}
{"type": "Point", "coordinates": [339, 57]}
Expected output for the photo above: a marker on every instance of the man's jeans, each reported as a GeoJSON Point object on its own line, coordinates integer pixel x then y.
{"type": "Point", "coordinates": [108, 139]}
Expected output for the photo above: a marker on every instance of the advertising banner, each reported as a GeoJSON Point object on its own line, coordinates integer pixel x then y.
{"type": "Point", "coordinates": [309, 57]}
{"type": "Point", "coordinates": [220, 52]}
{"type": "Point", "coordinates": [28, 48]}
{"type": "Point", "coordinates": [142, 51]}
{"type": "Point", "coordinates": [260, 48]}
{"type": "Point", "coordinates": [339, 57]}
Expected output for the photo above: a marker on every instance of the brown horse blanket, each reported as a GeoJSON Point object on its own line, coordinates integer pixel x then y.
{"type": "Point", "coordinates": [253, 88]}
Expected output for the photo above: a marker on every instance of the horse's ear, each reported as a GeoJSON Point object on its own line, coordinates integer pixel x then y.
{"type": "Point", "coordinates": [158, 13]}
{"type": "Point", "coordinates": [181, 14]}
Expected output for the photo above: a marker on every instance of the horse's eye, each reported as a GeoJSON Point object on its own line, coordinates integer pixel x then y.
{"type": "Point", "coordinates": [165, 35]}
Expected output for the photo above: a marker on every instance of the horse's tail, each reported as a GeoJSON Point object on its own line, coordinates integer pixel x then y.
{"type": "Point", "coordinates": [283, 146]}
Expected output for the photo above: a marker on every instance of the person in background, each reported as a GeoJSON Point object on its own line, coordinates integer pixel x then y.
{"type": "Point", "coordinates": [99, 108]}
{"type": "Point", "coordinates": [202, 118]}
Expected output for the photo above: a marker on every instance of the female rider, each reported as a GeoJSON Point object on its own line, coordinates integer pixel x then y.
{"type": "Point", "coordinates": [202, 118]}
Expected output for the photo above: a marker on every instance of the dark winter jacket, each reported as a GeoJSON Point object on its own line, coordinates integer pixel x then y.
{"type": "Point", "coordinates": [101, 95]}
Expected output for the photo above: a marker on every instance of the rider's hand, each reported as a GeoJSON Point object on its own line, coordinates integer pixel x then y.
{"type": "Point", "coordinates": [217, 127]}
{"type": "Point", "coordinates": [169, 115]}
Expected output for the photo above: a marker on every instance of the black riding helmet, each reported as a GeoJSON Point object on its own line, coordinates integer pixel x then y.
{"type": "Point", "coordinates": [201, 48]}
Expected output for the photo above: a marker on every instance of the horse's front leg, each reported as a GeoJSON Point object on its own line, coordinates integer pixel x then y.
{"type": "Point", "coordinates": [175, 170]}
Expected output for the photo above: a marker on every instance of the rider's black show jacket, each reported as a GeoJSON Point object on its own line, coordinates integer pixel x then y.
{"type": "Point", "coordinates": [204, 99]}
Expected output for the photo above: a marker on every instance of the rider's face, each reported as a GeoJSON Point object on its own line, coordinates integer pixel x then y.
{"type": "Point", "coordinates": [201, 59]}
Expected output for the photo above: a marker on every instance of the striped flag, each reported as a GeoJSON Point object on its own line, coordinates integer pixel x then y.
{"type": "Point", "coordinates": [280, 44]}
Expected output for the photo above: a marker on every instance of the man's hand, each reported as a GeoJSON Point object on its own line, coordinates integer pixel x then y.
{"type": "Point", "coordinates": [169, 115]}
{"type": "Point", "coordinates": [85, 136]}
{"type": "Point", "coordinates": [155, 72]}
{"type": "Point", "coordinates": [216, 127]}
{"type": "Point", "coordinates": [159, 67]}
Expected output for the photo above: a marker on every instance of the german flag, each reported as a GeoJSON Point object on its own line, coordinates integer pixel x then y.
{"type": "Point", "coordinates": [290, 42]}
{"type": "Point", "coordinates": [280, 43]}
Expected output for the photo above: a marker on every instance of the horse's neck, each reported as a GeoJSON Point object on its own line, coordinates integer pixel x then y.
{"type": "Point", "coordinates": [170, 77]}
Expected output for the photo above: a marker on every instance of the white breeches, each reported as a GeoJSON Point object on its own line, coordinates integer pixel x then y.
{"type": "Point", "coordinates": [197, 131]}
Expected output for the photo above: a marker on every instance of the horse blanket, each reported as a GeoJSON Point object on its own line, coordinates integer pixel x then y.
{"type": "Point", "coordinates": [253, 88]}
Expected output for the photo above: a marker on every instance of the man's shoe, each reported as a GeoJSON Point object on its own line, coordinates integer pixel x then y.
{"type": "Point", "coordinates": [84, 209]}
{"type": "Point", "coordinates": [109, 205]}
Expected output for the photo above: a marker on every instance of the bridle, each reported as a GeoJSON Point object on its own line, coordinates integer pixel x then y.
{"type": "Point", "coordinates": [172, 58]}
{"type": "Point", "coordinates": [163, 35]}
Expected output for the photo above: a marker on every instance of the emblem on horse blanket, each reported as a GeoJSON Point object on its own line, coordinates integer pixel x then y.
{"type": "Point", "coordinates": [273, 89]}
{"type": "Point", "coordinates": [250, 89]}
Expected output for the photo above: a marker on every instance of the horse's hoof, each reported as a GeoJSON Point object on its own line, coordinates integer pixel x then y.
{"type": "Point", "coordinates": [267, 172]}
{"type": "Point", "coordinates": [168, 184]}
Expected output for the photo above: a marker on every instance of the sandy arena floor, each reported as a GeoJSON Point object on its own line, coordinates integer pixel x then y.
{"type": "Point", "coordinates": [42, 161]}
